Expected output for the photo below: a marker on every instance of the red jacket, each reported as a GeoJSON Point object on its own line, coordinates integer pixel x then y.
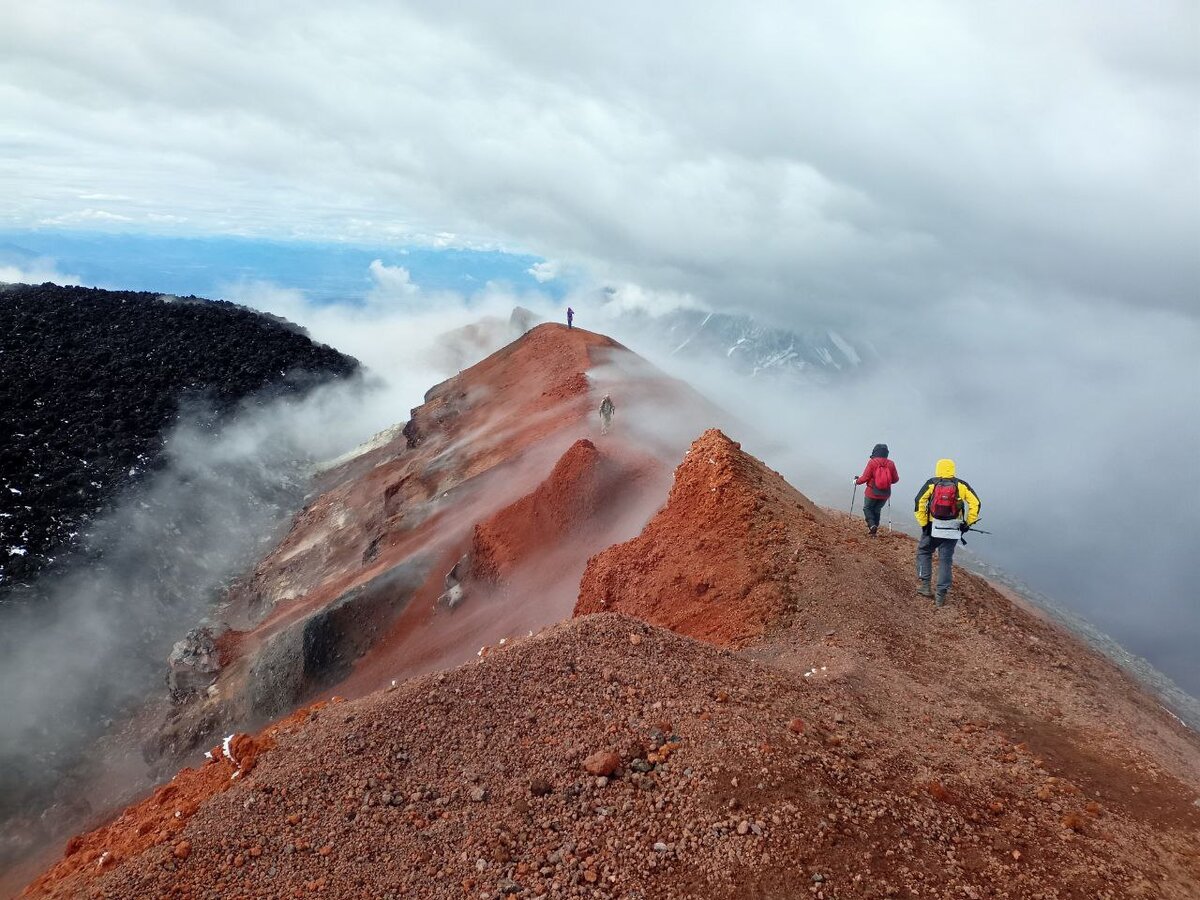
{"type": "Point", "coordinates": [868, 477]}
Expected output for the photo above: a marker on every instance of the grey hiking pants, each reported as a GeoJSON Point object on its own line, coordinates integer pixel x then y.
{"type": "Point", "coordinates": [871, 510]}
{"type": "Point", "coordinates": [945, 552]}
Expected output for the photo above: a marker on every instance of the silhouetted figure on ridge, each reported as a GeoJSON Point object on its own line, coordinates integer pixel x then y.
{"type": "Point", "coordinates": [879, 476]}
{"type": "Point", "coordinates": [570, 318]}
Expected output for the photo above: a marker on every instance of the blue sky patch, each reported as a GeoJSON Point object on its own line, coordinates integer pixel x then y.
{"type": "Point", "coordinates": [207, 266]}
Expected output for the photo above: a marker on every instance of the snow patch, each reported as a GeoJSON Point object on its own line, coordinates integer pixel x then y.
{"type": "Point", "coordinates": [847, 351]}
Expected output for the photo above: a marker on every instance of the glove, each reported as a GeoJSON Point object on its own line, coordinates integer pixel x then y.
{"type": "Point", "coordinates": [964, 527]}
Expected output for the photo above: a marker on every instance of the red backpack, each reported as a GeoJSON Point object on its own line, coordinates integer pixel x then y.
{"type": "Point", "coordinates": [882, 479]}
{"type": "Point", "coordinates": [944, 502]}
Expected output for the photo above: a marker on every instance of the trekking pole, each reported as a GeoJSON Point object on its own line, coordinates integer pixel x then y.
{"type": "Point", "coordinates": [970, 530]}
{"type": "Point", "coordinates": [853, 494]}
{"type": "Point", "coordinates": [889, 515]}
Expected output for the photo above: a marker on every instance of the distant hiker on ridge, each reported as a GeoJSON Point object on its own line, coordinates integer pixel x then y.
{"type": "Point", "coordinates": [606, 413]}
{"type": "Point", "coordinates": [946, 507]}
{"type": "Point", "coordinates": [570, 318]}
{"type": "Point", "coordinates": [879, 476]}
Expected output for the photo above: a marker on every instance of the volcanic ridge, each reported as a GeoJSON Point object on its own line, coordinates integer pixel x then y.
{"type": "Point", "coordinates": [562, 672]}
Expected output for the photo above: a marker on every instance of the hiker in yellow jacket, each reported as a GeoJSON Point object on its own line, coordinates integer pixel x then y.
{"type": "Point", "coordinates": [945, 508]}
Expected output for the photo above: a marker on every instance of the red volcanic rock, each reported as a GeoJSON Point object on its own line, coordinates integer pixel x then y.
{"type": "Point", "coordinates": [244, 750]}
{"type": "Point", "coordinates": [714, 562]}
{"type": "Point", "coordinates": [492, 499]}
{"type": "Point", "coordinates": [568, 498]}
{"type": "Point", "coordinates": [602, 762]}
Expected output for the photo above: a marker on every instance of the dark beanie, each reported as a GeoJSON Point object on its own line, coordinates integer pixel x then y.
{"type": "Point", "coordinates": [880, 450]}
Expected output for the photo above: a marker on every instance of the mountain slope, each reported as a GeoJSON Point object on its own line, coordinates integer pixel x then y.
{"type": "Point", "coordinates": [862, 744]}
{"type": "Point", "coordinates": [471, 525]}
{"type": "Point", "coordinates": [803, 725]}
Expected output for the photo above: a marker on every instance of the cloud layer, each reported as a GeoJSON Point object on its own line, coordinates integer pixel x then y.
{"type": "Point", "coordinates": [787, 158]}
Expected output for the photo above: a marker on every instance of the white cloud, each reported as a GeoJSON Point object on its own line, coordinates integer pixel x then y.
{"type": "Point", "coordinates": [37, 271]}
{"type": "Point", "coordinates": [798, 159]}
{"type": "Point", "coordinates": [628, 298]}
{"type": "Point", "coordinates": [544, 271]}
{"type": "Point", "coordinates": [86, 216]}
{"type": "Point", "coordinates": [390, 282]}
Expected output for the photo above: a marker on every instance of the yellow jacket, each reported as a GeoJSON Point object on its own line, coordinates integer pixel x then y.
{"type": "Point", "coordinates": [966, 496]}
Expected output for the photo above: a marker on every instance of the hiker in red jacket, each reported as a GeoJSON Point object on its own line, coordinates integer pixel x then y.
{"type": "Point", "coordinates": [879, 476]}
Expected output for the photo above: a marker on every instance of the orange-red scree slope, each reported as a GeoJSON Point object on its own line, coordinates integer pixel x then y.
{"type": "Point", "coordinates": [713, 563]}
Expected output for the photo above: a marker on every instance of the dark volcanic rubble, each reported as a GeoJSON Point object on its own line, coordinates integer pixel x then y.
{"type": "Point", "coordinates": [90, 380]}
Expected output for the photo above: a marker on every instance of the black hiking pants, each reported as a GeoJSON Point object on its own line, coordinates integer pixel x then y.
{"type": "Point", "coordinates": [871, 510]}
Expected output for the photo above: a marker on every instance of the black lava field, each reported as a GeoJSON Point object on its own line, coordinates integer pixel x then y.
{"type": "Point", "coordinates": [90, 382]}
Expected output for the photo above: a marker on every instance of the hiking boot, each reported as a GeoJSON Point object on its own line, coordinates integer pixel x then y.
{"type": "Point", "coordinates": [872, 530]}
{"type": "Point", "coordinates": [940, 600]}
{"type": "Point", "coordinates": [923, 588]}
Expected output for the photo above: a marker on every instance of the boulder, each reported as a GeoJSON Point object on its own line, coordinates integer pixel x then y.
{"type": "Point", "coordinates": [193, 665]}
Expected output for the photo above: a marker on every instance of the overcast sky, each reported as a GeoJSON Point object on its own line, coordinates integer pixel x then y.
{"type": "Point", "coordinates": [784, 157]}
{"type": "Point", "coordinates": [1003, 197]}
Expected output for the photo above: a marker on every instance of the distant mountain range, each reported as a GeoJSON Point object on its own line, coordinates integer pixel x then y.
{"type": "Point", "coordinates": [758, 350]}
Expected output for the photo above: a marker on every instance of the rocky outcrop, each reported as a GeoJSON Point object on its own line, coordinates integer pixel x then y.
{"type": "Point", "coordinates": [317, 651]}
{"type": "Point", "coordinates": [715, 562]}
{"type": "Point", "coordinates": [193, 665]}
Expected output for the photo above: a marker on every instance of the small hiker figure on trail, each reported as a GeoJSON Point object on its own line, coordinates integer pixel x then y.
{"type": "Point", "coordinates": [570, 318]}
{"type": "Point", "coordinates": [879, 476]}
{"type": "Point", "coordinates": [606, 414]}
{"type": "Point", "coordinates": [946, 507]}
